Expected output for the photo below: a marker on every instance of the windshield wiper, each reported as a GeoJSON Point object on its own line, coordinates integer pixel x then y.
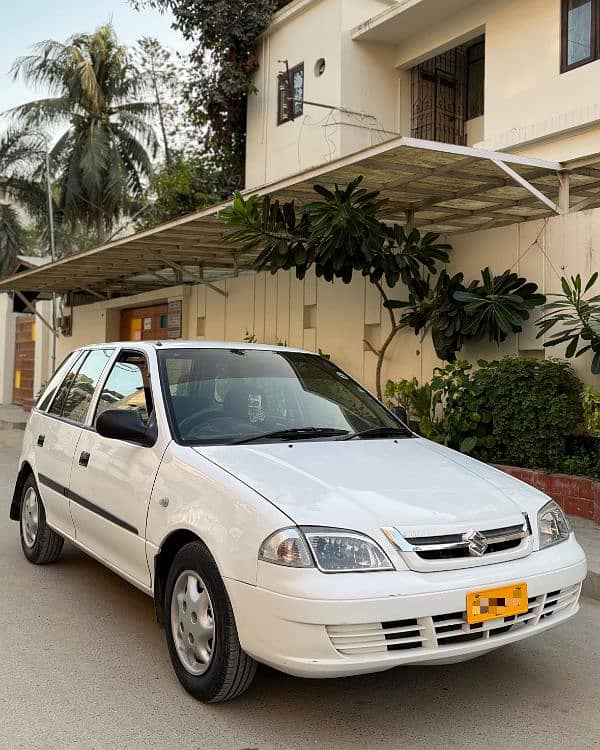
{"type": "Point", "coordinates": [380, 432]}
{"type": "Point", "coordinates": [297, 433]}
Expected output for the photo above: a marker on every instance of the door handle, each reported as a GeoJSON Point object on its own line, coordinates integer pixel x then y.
{"type": "Point", "coordinates": [40, 440]}
{"type": "Point", "coordinates": [84, 459]}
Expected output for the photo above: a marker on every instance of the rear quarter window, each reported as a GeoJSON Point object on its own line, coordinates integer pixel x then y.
{"type": "Point", "coordinates": [50, 389]}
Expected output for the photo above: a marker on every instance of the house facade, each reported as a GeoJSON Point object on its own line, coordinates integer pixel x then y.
{"type": "Point", "coordinates": [339, 80]}
{"type": "Point", "coordinates": [513, 75]}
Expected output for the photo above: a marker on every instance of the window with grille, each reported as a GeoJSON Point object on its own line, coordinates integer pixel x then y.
{"type": "Point", "coordinates": [290, 89]}
{"type": "Point", "coordinates": [448, 90]}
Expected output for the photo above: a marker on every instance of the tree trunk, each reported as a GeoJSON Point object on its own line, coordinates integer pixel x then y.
{"type": "Point", "coordinates": [100, 233]}
{"type": "Point", "coordinates": [161, 120]}
{"type": "Point", "coordinates": [381, 356]}
{"type": "Point", "coordinates": [386, 344]}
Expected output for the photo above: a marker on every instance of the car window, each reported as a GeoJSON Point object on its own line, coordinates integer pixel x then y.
{"type": "Point", "coordinates": [57, 404]}
{"type": "Point", "coordinates": [83, 385]}
{"type": "Point", "coordinates": [49, 390]}
{"type": "Point", "coordinates": [128, 387]}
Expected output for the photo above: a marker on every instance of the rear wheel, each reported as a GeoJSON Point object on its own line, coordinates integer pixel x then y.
{"type": "Point", "coordinates": [40, 544]}
{"type": "Point", "coordinates": [201, 633]}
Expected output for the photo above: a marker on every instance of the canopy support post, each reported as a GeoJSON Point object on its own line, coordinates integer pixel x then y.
{"type": "Point", "coordinates": [564, 190]}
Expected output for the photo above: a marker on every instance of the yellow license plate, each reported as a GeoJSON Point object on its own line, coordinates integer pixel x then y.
{"type": "Point", "coordinates": [493, 603]}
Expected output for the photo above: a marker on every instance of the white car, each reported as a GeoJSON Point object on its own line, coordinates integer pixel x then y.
{"type": "Point", "coordinates": [278, 513]}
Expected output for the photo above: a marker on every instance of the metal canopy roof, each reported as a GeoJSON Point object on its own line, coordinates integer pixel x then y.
{"type": "Point", "coordinates": [435, 186]}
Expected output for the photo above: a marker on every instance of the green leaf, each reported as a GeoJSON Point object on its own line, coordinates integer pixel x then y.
{"type": "Point", "coordinates": [591, 282]}
{"type": "Point", "coordinates": [468, 444]}
{"type": "Point", "coordinates": [571, 348]}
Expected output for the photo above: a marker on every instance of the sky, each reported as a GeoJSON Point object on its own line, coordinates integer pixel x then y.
{"type": "Point", "coordinates": [26, 22]}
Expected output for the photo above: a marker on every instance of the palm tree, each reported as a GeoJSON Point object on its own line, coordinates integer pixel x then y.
{"type": "Point", "coordinates": [12, 240]}
{"type": "Point", "coordinates": [23, 166]}
{"type": "Point", "coordinates": [102, 159]}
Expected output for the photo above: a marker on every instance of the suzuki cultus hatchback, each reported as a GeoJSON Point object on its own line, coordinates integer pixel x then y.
{"type": "Point", "coordinates": [278, 513]}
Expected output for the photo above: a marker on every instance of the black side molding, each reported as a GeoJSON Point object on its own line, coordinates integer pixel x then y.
{"type": "Point", "coordinates": [92, 507]}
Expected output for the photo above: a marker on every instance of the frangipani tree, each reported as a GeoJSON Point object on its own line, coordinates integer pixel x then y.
{"type": "Point", "coordinates": [577, 319]}
{"type": "Point", "coordinates": [341, 234]}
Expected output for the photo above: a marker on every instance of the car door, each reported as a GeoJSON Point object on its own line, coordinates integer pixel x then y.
{"type": "Point", "coordinates": [54, 441]}
{"type": "Point", "coordinates": [112, 480]}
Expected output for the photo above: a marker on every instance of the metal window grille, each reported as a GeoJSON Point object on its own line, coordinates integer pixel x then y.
{"type": "Point", "coordinates": [439, 98]}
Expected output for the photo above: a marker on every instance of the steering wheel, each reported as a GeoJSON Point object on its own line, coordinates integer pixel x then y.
{"type": "Point", "coordinates": [189, 423]}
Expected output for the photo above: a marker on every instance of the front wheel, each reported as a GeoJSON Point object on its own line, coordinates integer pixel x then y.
{"type": "Point", "coordinates": [201, 633]}
{"type": "Point", "coordinates": [40, 544]}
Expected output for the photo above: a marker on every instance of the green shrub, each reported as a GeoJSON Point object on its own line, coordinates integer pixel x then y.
{"type": "Point", "coordinates": [534, 406]}
{"type": "Point", "coordinates": [466, 421]}
{"type": "Point", "coordinates": [420, 402]}
{"type": "Point", "coordinates": [583, 457]}
{"type": "Point", "coordinates": [591, 410]}
{"type": "Point", "coordinates": [515, 411]}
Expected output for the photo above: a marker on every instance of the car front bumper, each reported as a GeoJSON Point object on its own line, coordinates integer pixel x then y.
{"type": "Point", "coordinates": [310, 624]}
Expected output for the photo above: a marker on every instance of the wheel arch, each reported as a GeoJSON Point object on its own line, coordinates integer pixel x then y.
{"type": "Point", "coordinates": [25, 472]}
{"type": "Point", "coordinates": [162, 562]}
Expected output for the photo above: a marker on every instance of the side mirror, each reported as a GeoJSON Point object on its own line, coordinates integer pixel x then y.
{"type": "Point", "coordinates": [401, 413]}
{"type": "Point", "coordinates": [121, 424]}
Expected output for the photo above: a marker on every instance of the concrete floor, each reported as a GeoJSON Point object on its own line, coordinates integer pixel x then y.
{"type": "Point", "coordinates": [84, 665]}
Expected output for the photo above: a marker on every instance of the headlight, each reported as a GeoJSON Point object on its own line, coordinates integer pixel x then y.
{"type": "Point", "coordinates": [553, 525]}
{"type": "Point", "coordinates": [337, 551]}
{"type": "Point", "coordinates": [333, 550]}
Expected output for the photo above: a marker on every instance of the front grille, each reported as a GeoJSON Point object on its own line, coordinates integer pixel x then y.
{"type": "Point", "coordinates": [442, 631]}
{"type": "Point", "coordinates": [452, 546]}
{"type": "Point", "coordinates": [462, 548]}
{"type": "Point", "coordinates": [376, 637]}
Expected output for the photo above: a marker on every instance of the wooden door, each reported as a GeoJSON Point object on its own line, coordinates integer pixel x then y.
{"type": "Point", "coordinates": [24, 361]}
{"type": "Point", "coordinates": [145, 323]}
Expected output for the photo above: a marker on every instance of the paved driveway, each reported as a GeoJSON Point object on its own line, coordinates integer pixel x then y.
{"type": "Point", "coordinates": [84, 665]}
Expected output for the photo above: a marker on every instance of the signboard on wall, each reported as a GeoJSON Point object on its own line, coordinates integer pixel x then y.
{"type": "Point", "coordinates": [174, 319]}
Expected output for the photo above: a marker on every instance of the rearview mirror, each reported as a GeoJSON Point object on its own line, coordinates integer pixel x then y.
{"type": "Point", "coordinates": [401, 413]}
{"type": "Point", "coordinates": [120, 424]}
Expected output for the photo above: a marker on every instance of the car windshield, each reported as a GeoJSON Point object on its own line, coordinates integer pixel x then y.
{"type": "Point", "coordinates": [220, 396]}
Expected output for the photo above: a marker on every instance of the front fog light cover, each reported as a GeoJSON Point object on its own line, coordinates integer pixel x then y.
{"type": "Point", "coordinates": [553, 525]}
{"type": "Point", "coordinates": [337, 551]}
{"type": "Point", "coordinates": [286, 547]}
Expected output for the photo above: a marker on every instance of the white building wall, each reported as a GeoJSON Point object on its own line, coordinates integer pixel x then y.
{"type": "Point", "coordinates": [530, 107]}
{"type": "Point", "coordinates": [7, 349]}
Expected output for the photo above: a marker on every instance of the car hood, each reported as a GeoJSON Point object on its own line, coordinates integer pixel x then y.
{"type": "Point", "coordinates": [416, 485]}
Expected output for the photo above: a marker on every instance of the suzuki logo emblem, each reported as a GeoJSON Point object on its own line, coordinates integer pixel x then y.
{"type": "Point", "coordinates": [478, 543]}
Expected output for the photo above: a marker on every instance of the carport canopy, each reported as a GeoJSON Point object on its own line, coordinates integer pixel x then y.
{"type": "Point", "coordinates": [432, 186]}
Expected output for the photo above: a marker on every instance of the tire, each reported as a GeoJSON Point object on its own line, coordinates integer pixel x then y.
{"type": "Point", "coordinates": [210, 664]}
{"type": "Point", "coordinates": [41, 545]}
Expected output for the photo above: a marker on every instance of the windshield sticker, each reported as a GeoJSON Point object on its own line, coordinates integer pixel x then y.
{"type": "Point", "coordinates": [256, 413]}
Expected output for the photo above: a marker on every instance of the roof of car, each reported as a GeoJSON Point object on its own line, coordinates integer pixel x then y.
{"type": "Point", "coordinates": [179, 344]}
